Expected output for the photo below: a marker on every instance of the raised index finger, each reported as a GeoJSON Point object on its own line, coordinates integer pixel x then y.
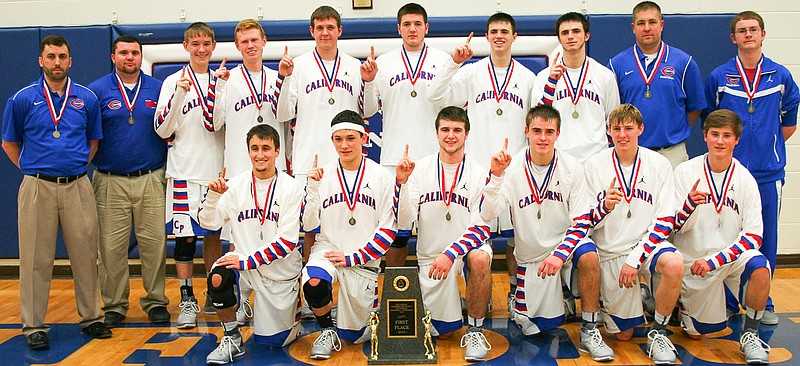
{"type": "Point", "coordinates": [405, 154]}
{"type": "Point", "coordinates": [285, 51]}
{"type": "Point", "coordinates": [694, 187]}
{"type": "Point", "coordinates": [470, 36]}
{"type": "Point", "coordinates": [315, 161]}
{"type": "Point", "coordinates": [555, 60]}
{"type": "Point", "coordinates": [183, 72]}
{"type": "Point", "coordinates": [223, 172]}
{"type": "Point", "coordinates": [613, 183]}
{"type": "Point", "coordinates": [372, 52]}
{"type": "Point", "coordinates": [222, 65]}
{"type": "Point", "coordinates": [505, 144]}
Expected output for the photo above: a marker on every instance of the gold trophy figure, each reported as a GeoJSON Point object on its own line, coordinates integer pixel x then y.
{"type": "Point", "coordinates": [373, 339]}
{"type": "Point", "coordinates": [430, 351]}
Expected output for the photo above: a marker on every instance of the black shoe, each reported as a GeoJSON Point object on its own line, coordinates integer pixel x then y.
{"type": "Point", "coordinates": [158, 314]}
{"type": "Point", "coordinates": [38, 340]}
{"type": "Point", "coordinates": [97, 330]}
{"type": "Point", "coordinates": [113, 319]}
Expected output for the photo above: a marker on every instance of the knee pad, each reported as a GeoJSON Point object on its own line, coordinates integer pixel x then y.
{"type": "Point", "coordinates": [185, 248]}
{"type": "Point", "coordinates": [400, 242]}
{"type": "Point", "coordinates": [319, 295]}
{"type": "Point", "coordinates": [222, 296]}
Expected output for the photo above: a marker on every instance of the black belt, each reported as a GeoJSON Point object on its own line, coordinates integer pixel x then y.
{"type": "Point", "coordinates": [137, 173]}
{"type": "Point", "coordinates": [59, 180]}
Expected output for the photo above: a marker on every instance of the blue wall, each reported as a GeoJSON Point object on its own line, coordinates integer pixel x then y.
{"type": "Point", "coordinates": [91, 49]}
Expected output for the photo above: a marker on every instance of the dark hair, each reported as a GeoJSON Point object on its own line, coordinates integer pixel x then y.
{"type": "Point", "coordinates": [348, 115]}
{"type": "Point", "coordinates": [646, 5]}
{"type": "Point", "coordinates": [412, 8]}
{"type": "Point", "coordinates": [546, 112]}
{"type": "Point", "coordinates": [453, 113]}
{"type": "Point", "coordinates": [265, 132]}
{"type": "Point", "coordinates": [53, 40]}
{"type": "Point", "coordinates": [723, 118]}
{"type": "Point", "coordinates": [125, 39]}
{"type": "Point", "coordinates": [501, 17]}
{"type": "Point", "coordinates": [747, 14]}
{"type": "Point", "coordinates": [197, 29]}
{"type": "Point", "coordinates": [325, 12]}
{"type": "Point", "coordinates": [573, 17]}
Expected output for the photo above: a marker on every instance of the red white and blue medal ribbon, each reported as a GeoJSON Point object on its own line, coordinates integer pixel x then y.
{"type": "Point", "coordinates": [642, 68]}
{"type": "Point", "coordinates": [630, 184]}
{"type": "Point", "coordinates": [415, 72]}
{"type": "Point", "coordinates": [129, 104]}
{"type": "Point", "coordinates": [750, 91]}
{"type": "Point", "coordinates": [575, 92]}
{"type": "Point", "coordinates": [539, 191]}
{"type": "Point", "coordinates": [330, 78]}
{"type": "Point", "coordinates": [448, 195]}
{"type": "Point", "coordinates": [351, 194]}
{"type": "Point", "coordinates": [720, 196]}
{"type": "Point", "coordinates": [267, 212]}
{"type": "Point", "coordinates": [259, 101]}
{"type": "Point", "coordinates": [208, 99]}
{"type": "Point", "coordinates": [499, 89]}
{"type": "Point", "coordinates": [50, 106]}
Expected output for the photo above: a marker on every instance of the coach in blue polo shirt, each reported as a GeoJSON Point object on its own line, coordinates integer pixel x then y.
{"type": "Point", "coordinates": [129, 184]}
{"type": "Point", "coordinates": [50, 131]}
{"type": "Point", "coordinates": [663, 82]}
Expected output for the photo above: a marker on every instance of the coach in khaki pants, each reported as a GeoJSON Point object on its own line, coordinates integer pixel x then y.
{"type": "Point", "coordinates": [50, 131]}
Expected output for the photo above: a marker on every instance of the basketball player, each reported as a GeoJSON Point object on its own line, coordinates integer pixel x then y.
{"type": "Point", "coordinates": [444, 194]}
{"type": "Point", "coordinates": [765, 96]}
{"type": "Point", "coordinates": [263, 207]}
{"type": "Point", "coordinates": [185, 112]}
{"type": "Point", "coordinates": [352, 202]}
{"type": "Point", "coordinates": [718, 230]}
{"type": "Point", "coordinates": [401, 90]}
{"type": "Point", "coordinates": [662, 81]}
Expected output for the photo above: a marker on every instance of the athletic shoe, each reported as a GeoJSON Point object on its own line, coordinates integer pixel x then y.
{"type": "Point", "coordinates": [753, 348]}
{"type": "Point", "coordinates": [648, 301]}
{"type": "Point", "coordinates": [659, 348]}
{"type": "Point", "coordinates": [306, 313]}
{"type": "Point", "coordinates": [570, 312]}
{"type": "Point", "coordinates": [244, 312]}
{"type": "Point", "coordinates": [593, 344]}
{"type": "Point", "coordinates": [208, 306]}
{"type": "Point", "coordinates": [327, 342]}
{"type": "Point", "coordinates": [477, 345]}
{"type": "Point", "coordinates": [188, 315]}
{"type": "Point", "coordinates": [510, 305]}
{"type": "Point", "coordinates": [769, 318]}
{"type": "Point", "coordinates": [228, 349]}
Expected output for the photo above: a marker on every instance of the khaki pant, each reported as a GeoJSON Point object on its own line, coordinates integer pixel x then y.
{"type": "Point", "coordinates": [676, 154]}
{"type": "Point", "coordinates": [124, 203]}
{"type": "Point", "coordinates": [43, 208]}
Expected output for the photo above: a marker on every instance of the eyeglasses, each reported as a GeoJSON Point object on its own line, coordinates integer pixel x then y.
{"type": "Point", "coordinates": [744, 31]}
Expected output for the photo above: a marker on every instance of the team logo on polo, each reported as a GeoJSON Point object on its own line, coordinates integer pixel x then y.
{"type": "Point", "coordinates": [77, 103]}
{"type": "Point", "coordinates": [732, 81]}
{"type": "Point", "coordinates": [668, 71]}
{"type": "Point", "coordinates": [114, 104]}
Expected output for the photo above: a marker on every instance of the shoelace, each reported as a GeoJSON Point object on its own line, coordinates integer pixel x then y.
{"type": "Point", "coordinates": [226, 345]}
{"type": "Point", "coordinates": [751, 340]}
{"type": "Point", "coordinates": [188, 307]}
{"type": "Point", "coordinates": [329, 336]}
{"type": "Point", "coordinates": [595, 338]}
{"type": "Point", "coordinates": [476, 339]}
{"type": "Point", "coordinates": [659, 341]}
{"type": "Point", "coordinates": [247, 309]}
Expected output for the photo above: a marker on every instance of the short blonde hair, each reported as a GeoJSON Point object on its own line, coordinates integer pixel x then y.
{"type": "Point", "coordinates": [245, 25]}
{"type": "Point", "coordinates": [198, 29]}
{"type": "Point", "coordinates": [624, 113]}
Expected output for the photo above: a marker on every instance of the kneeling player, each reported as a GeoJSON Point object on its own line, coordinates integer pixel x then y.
{"type": "Point", "coordinates": [263, 207]}
{"type": "Point", "coordinates": [444, 194]}
{"type": "Point", "coordinates": [353, 206]}
{"type": "Point", "coordinates": [542, 187]}
{"type": "Point", "coordinates": [719, 232]}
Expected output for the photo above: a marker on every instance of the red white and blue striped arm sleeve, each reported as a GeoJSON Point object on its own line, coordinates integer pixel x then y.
{"type": "Point", "coordinates": [579, 230]}
{"type": "Point", "coordinates": [276, 94]}
{"type": "Point", "coordinates": [474, 237]}
{"type": "Point", "coordinates": [683, 215]}
{"type": "Point", "coordinates": [374, 249]}
{"type": "Point", "coordinates": [657, 234]}
{"type": "Point", "coordinates": [278, 249]}
{"type": "Point", "coordinates": [208, 114]}
{"type": "Point", "coordinates": [745, 242]}
{"type": "Point", "coordinates": [549, 91]}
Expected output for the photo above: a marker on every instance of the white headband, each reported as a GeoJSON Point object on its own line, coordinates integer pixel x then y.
{"type": "Point", "coordinates": [347, 126]}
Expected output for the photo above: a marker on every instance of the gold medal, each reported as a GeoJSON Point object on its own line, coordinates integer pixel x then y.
{"type": "Point", "coordinates": [56, 134]}
{"type": "Point", "coordinates": [499, 112]}
{"type": "Point", "coordinates": [331, 101]}
{"type": "Point", "coordinates": [539, 214]}
{"type": "Point", "coordinates": [131, 121]}
{"type": "Point", "coordinates": [448, 217]}
{"type": "Point", "coordinates": [260, 119]}
{"type": "Point", "coordinates": [648, 94]}
{"type": "Point", "coordinates": [352, 221]}
{"type": "Point", "coordinates": [413, 93]}
{"type": "Point", "coordinates": [575, 114]}
{"type": "Point", "coordinates": [751, 109]}
{"type": "Point", "coordinates": [629, 213]}
{"type": "Point", "coordinates": [262, 235]}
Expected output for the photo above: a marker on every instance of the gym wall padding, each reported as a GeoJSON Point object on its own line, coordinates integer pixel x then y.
{"type": "Point", "coordinates": [705, 36]}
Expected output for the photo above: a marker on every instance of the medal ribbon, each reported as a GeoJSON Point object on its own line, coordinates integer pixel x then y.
{"type": "Point", "coordinates": [447, 196]}
{"type": "Point", "coordinates": [659, 57]}
{"type": "Point", "coordinates": [414, 73]}
{"type": "Point", "coordinates": [537, 190]}
{"type": "Point", "coordinates": [718, 197]}
{"type": "Point", "coordinates": [129, 103]}
{"type": "Point", "coordinates": [493, 78]}
{"type": "Point", "coordinates": [630, 185]}
{"type": "Point", "coordinates": [252, 86]}
{"type": "Point", "coordinates": [575, 93]}
{"type": "Point", "coordinates": [56, 117]}
{"type": "Point", "coordinates": [351, 195]}
{"type": "Point", "coordinates": [267, 200]}
{"type": "Point", "coordinates": [330, 79]}
{"type": "Point", "coordinates": [751, 92]}
{"type": "Point", "coordinates": [208, 100]}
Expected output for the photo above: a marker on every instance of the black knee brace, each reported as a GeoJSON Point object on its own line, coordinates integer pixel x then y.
{"type": "Point", "coordinates": [319, 295]}
{"type": "Point", "coordinates": [400, 242]}
{"type": "Point", "coordinates": [185, 248]}
{"type": "Point", "coordinates": [222, 296]}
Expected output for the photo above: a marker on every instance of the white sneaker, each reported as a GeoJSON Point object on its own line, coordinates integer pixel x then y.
{"type": "Point", "coordinates": [510, 305]}
{"type": "Point", "coordinates": [188, 315]}
{"type": "Point", "coordinates": [306, 313]}
{"type": "Point", "coordinates": [648, 301]}
{"type": "Point", "coordinates": [570, 312]}
{"type": "Point", "coordinates": [660, 349]}
{"type": "Point", "coordinates": [327, 342]}
{"type": "Point", "coordinates": [244, 312]}
{"type": "Point", "coordinates": [593, 344]}
{"type": "Point", "coordinates": [477, 345]}
{"type": "Point", "coordinates": [228, 349]}
{"type": "Point", "coordinates": [769, 317]}
{"type": "Point", "coordinates": [754, 349]}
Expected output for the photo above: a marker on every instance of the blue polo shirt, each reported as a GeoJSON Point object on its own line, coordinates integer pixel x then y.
{"type": "Point", "coordinates": [27, 120]}
{"type": "Point", "coordinates": [761, 148]}
{"type": "Point", "coordinates": [676, 89]}
{"type": "Point", "coordinates": [126, 148]}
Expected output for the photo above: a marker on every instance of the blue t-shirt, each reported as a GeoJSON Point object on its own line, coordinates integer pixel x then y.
{"type": "Point", "coordinates": [676, 89]}
{"type": "Point", "coordinates": [126, 147]}
{"type": "Point", "coordinates": [27, 121]}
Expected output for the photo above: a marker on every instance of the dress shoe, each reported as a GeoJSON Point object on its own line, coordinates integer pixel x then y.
{"type": "Point", "coordinates": [158, 314]}
{"type": "Point", "coordinates": [38, 340]}
{"type": "Point", "coordinates": [113, 319]}
{"type": "Point", "coordinates": [97, 330]}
